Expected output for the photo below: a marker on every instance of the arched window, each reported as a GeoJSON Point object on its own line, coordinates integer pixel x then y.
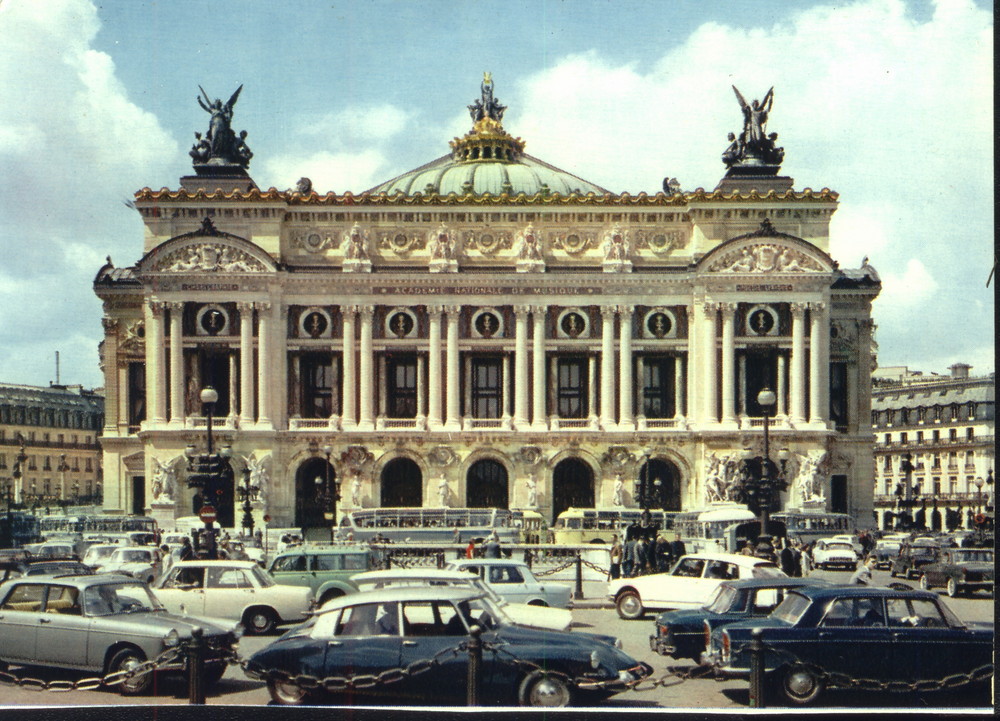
{"type": "Point", "coordinates": [486, 485]}
{"type": "Point", "coordinates": [572, 486]}
{"type": "Point", "coordinates": [402, 484]}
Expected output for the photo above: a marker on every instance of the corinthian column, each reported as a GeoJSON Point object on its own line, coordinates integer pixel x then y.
{"type": "Point", "coordinates": [521, 366]}
{"type": "Point", "coordinates": [156, 381]}
{"type": "Point", "coordinates": [176, 364]}
{"type": "Point", "coordinates": [626, 419]}
{"type": "Point", "coordinates": [434, 367]}
{"type": "Point", "coordinates": [366, 418]}
{"type": "Point", "coordinates": [538, 416]}
{"type": "Point", "coordinates": [246, 363]}
{"type": "Point", "coordinates": [798, 374]}
{"type": "Point", "coordinates": [265, 364]}
{"type": "Point", "coordinates": [453, 421]}
{"type": "Point", "coordinates": [728, 363]}
{"type": "Point", "coordinates": [607, 368]}
{"type": "Point", "coordinates": [349, 420]}
{"type": "Point", "coordinates": [819, 364]}
{"type": "Point", "coordinates": [711, 373]}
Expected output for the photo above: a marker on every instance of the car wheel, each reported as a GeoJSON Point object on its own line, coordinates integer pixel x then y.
{"type": "Point", "coordinates": [952, 588]}
{"type": "Point", "coordinates": [258, 621]}
{"type": "Point", "coordinates": [126, 660]}
{"type": "Point", "coordinates": [286, 693]}
{"type": "Point", "coordinates": [924, 583]}
{"type": "Point", "coordinates": [546, 690]}
{"type": "Point", "coordinates": [629, 605]}
{"type": "Point", "coordinates": [801, 685]}
{"type": "Point", "coordinates": [537, 602]}
{"type": "Point", "coordinates": [330, 595]}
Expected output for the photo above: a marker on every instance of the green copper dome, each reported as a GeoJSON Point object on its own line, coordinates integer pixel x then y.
{"type": "Point", "coordinates": [487, 160]}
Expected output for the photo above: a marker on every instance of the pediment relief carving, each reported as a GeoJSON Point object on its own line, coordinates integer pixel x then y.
{"type": "Point", "coordinates": [765, 258]}
{"type": "Point", "coordinates": [208, 258]}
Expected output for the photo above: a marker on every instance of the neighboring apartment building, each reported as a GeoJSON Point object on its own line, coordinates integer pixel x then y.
{"type": "Point", "coordinates": [947, 426]}
{"type": "Point", "coordinates": [486, 330]}
{"type": "Point", "coordinates": [48, 444]}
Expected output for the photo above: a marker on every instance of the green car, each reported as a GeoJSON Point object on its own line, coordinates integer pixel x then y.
{"type": "Point", "coordinates": [324, 569]}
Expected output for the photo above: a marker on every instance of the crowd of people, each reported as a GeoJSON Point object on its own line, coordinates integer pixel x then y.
{"type": "Point", "coordinates": [643, 553]}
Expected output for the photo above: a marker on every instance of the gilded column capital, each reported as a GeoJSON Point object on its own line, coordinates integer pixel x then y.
{"type": "Point", "coordinates": [157, 307]}
{"type": "Point", "coordinates": [351, 310]}
{"type": "Point", "coordinates": [817, 306]}
{"type": "Point", "coordinates": [521, 311]}
{"type": "Point", "coordinates": [263, 306]}
{"type": "Point", "coordinates": [435, 309]}
{"type": "Point", "coordinates": [367, 313]}
{"type": "Point", "coordinates": [244, 307]}
{"type": "Point", "coordinates": [711, 307]}
{"type": "Point", "coordinates": [608, 312]}
{"type": "Point", "coordinates": [175, 306]}
{"type": "Point", "coordinates": [625, 311]}
{"type": "Point", "coordinates": [453, 311]}
{"type": "Point", "coordinates": [728, 308]}
{"type": "Point", "coordinates": [539, 310]}
{"type": "Point", "coordinates": [799, 308]}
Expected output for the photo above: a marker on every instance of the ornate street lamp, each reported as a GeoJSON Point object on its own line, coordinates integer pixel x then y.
{"type": "Point", "coordinates": [248, 493]}
{"type": "Point", "coordinates": [762, 481]}
{"type": "Point", "coordinates": [205, 470]}
{"type": "Point", "coordinates": [326, 496]}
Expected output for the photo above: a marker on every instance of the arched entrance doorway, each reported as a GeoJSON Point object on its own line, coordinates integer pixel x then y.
{"type": "Point", "coordinates": [402, 484]}
{"type": "Point", "coordinates": [662, 481]}
{"type": "Point", "coordinates": [572, 486]}
{"type": "Point", "coordinates": [310, 503]}
{"type": "Point", "coordinates": [486, 485]}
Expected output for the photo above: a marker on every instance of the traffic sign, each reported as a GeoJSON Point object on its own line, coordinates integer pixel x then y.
{"type": "Point", "coordinates": [207, 514]}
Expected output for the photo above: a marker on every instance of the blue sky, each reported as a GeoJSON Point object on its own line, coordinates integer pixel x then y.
{"type": "Point", "coordinates": [888, 102]}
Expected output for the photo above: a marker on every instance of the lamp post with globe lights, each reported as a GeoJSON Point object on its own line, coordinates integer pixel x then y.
{"type": "Point", "coordinates": [762, 480]}
{"type": "Point", "coordinates": [327, 496]}
{"type": "Point", "coordinates": [206, 470]}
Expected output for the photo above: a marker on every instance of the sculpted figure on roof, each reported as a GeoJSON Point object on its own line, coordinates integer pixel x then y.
{"type": "Point", "coordinates": [487, 106]}
{"type": "Point", "coordinates": [753, 146]}
{"type": "Point", "coordinates": [220, 145]}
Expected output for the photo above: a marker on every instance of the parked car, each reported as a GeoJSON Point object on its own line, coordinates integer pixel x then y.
{"type": "Point", "coordinates": [689, 584]}
{"type": "Point", "coordinates": [370, 633]}
{"type": "Point", "coordinates": [834, 553]}
{"type": "Point", "coordinates": [913, 556]}
{"type": "Point", "coordinates": [681, 634]}
{"type": "Point", "coordinates": [142, 562]}
{"type": "Point", "coordinates": [864, 632]}
{"type": "Point", "coordinates": [235, 590]}
{"type": "Point", "coordinates": [522, 614]}
{"type": "Point", "coordinates": [101, 623]}
{"type": "Point", "coordinates": [99, 554]}
{"type": "Point", "coordinates": [325, 570]}
{"type": "Point", "coordinates": [960, 570]}
{"type": "Point", "coordinates": [515, 583]}
{"type": "Point", "coordinates": [851, 539]}
{"type": "Point", "coordinates": [42, 567]}
{"type": "Point", "coordinates": [52, 549]}
{"type": "Point", "coordinates": [884, 552]}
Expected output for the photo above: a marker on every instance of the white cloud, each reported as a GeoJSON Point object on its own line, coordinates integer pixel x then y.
{"type": "Point", "coordinates": [328, 171]}
{"type": "Point", "coordinates": [907, 289]}
{"type": "Point", "coordinates": [359, 124]}
{"type": "Point", "coordinates": [73, 145]}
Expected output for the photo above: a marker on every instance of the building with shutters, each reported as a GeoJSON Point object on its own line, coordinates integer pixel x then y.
{"type": "Point", "coordinates": [487, 330]}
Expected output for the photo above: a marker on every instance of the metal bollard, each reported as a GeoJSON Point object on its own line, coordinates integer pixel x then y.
{"type": "Point", "coordinates": [756, 648]}
{"type": "Point", "coordinates": [196, 666]}
{"type": "Point", "coordinates": [475, 675]}
{"type": "Point", "coordinates": [579, 575]}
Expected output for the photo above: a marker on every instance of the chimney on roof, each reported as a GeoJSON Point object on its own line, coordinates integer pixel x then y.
{"type": "Point", "coordinates": [959, 370]}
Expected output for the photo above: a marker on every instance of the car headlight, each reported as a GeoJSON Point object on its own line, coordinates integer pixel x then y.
{"type": "Point", "coordinates": [172, 638]}
{"type": "Point", "coordinates": [595, 660]}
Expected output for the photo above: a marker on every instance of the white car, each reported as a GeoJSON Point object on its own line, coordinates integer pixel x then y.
{"type": "Point", "coordinates": [142, 562]}
{"type": "Point", "coordinates": [853, 540]}
{"type": "Point", "coordinates": [689, 584]}
{"type": "Point", "coordinates": [522, 614]}
{"type": "Point", "coordinates": [99, 554]}
{"type": "Point", "coordinates": [514, 582]}
{"type": "Point", "coordinates": [236, 590]}
{"type": "Point", "coordinates": [834, 553]}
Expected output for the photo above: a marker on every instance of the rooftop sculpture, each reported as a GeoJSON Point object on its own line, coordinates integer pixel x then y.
{"type": "Point", "coordinates": [754, 147]}
{"type": "Point", "coordinates": [220, 146]}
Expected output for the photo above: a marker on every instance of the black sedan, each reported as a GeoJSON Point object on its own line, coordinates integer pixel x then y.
{"type": "Point", "coordinates": [839, 635]}
{"type": "Point", "coordinates": [682, 633]}
{"type": "Point", "coordinates": [408, 644]}
{"type": "Point", "coordinates": [960, 570]}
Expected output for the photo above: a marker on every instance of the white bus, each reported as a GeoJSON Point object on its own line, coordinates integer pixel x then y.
{"type": "Point", "coordinates": [808, 525]}
{"type": "Point", "coordinates": [722, 528]}
{"type": "Point", "coordinates": [590, 525]}
{"type": "Point", "coordinates": [432, 525]}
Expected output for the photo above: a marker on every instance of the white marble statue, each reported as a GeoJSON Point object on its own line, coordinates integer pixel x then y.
{"type": "Point", "coordinates": [164, 481]}
{"type": "Point", "coordinates": [619, 498]}
{"type": "Point", "coordinates": [532, 485]}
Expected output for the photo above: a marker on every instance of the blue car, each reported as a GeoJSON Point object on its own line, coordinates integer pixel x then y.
{"type": "Point", "coordinates": [683, 633]}
{"type": "Point", "coordinates": [407, 644]}
{"type": "Point", "coordinates": [822, 636]}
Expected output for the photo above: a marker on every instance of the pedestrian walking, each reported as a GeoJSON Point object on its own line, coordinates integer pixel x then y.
{"type": "Point", "coordinates": [491, 548]}
{"type": "Point", "coordinates": [470, 550]}
{"type": "Point", "coordinates": [639, 557]}
{"type": "Point", "coordinates": [616, 558]}
{"type": "Point", "coordinates": [662, 554]}
{"type": "Point", "coordinates": [187, 553]}
{"type": "Point", "coordinates": [166, 560]}
{"type": "Point", "coordinates": [628, 557]}
{"type": "Point", "coordinates": [677, 548]}
{"type": "Point", "coordinates": [863, 576]}
{"type": "Point", "coordinates": [787, 559]}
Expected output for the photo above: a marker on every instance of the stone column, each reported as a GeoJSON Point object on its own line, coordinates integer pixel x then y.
{"type": "Point", "coordinates": [246, 364]}
{"type": "Point", "coordinates": [156, 381]}
{"type": "Point", "coordinates": [383, 402]}
{"type": "Point", "coordinates": [539, 420]}
{"type": "Point", "coordinates": [434, 420]}
{"type": "Point", "coordinates": [349, 418]}
{"type": "Point", "coordinates": [453, 421]}
{"type": "Point", "coordinates": [741, 385]}
{"type": "Point", "coordinates": [728, 363]}
{"type": "Point", "coordinates": [521, 366]}
{"type": "Point", "coordinates": [679, 399]}
{"type": "Point", "coordinates": [366, 372]}
{"type": "Point", "coordinates": [177, 413]}
{"type": "Point", "coordinates": [819, 365]}
{"type": "Point", "coordinates": [234, 385]}
{"type": "Point", "coordinates": [782, 386]}
{"type": "Point", "coordinates": [691, 363]}
{"type": "Point", "coordinates": [505, 387]}
{"type": "Point", "coordinates": [264, 364]}
{"type": "Point", "coordinates": [852, 398]}
{"type": "Point", "coordinates": [798, 384]}
{"type": "Point", "coordinates": [607, 368]}
{"type": "Point", "coordinates": [421, 389]}
{"type": "Point", "coordinates": [710, 405]}
{"type": "Point", "coordinates": [626, 419]}
{"type": "Point", "coordinates": [591, 387]}
{"type": "Point", "coordinates": [637, 394]}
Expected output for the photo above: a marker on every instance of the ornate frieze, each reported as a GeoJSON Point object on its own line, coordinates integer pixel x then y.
{"type": "Point", "coordinates": [765, 258]}
{"type": "Point", "coordinates": [209, 258]}
{"type": "Point", "coordinates": [312, 240]}
{"type": "Point", "coordinates": [401, 242]}
{"type": "Point", "coordinates": [574, 242]}
{"type": "Point", "coordinates": [661, 242]}
{"type": "Point", "coordinates": [487, 242]}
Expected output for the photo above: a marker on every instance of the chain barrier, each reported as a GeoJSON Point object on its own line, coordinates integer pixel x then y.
{"type": "Point", "coordinates": [557, 569]}
{"type": "Point", "coordinates": [94, 682]}
{"type": "Point", "coordinates": [835, 679]}
{"type": "Point", "coordinates": [594, 567]}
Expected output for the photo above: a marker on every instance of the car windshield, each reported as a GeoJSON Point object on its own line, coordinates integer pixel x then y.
{"type": "Point", "coordinates": [767, 570]}
{"type": "Point", "coordinates": [130, 555]}
{"type": "Point", "coordinates": [108, 599]}
{"type": "Point", "coordinates": [791, 609]}
{"type": "Point", "coordinates": [726, 599]}
{"type": "Point", "coordinates": [483, 612]}
{"type": "Point", "coordinates": [260, 574]}
{"type": "Point", "coordinates": [98, 552]}
{"type": "Point", "coordinates": [841, 546]}
{"type": "Point", "coordinates": [977, 556]}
